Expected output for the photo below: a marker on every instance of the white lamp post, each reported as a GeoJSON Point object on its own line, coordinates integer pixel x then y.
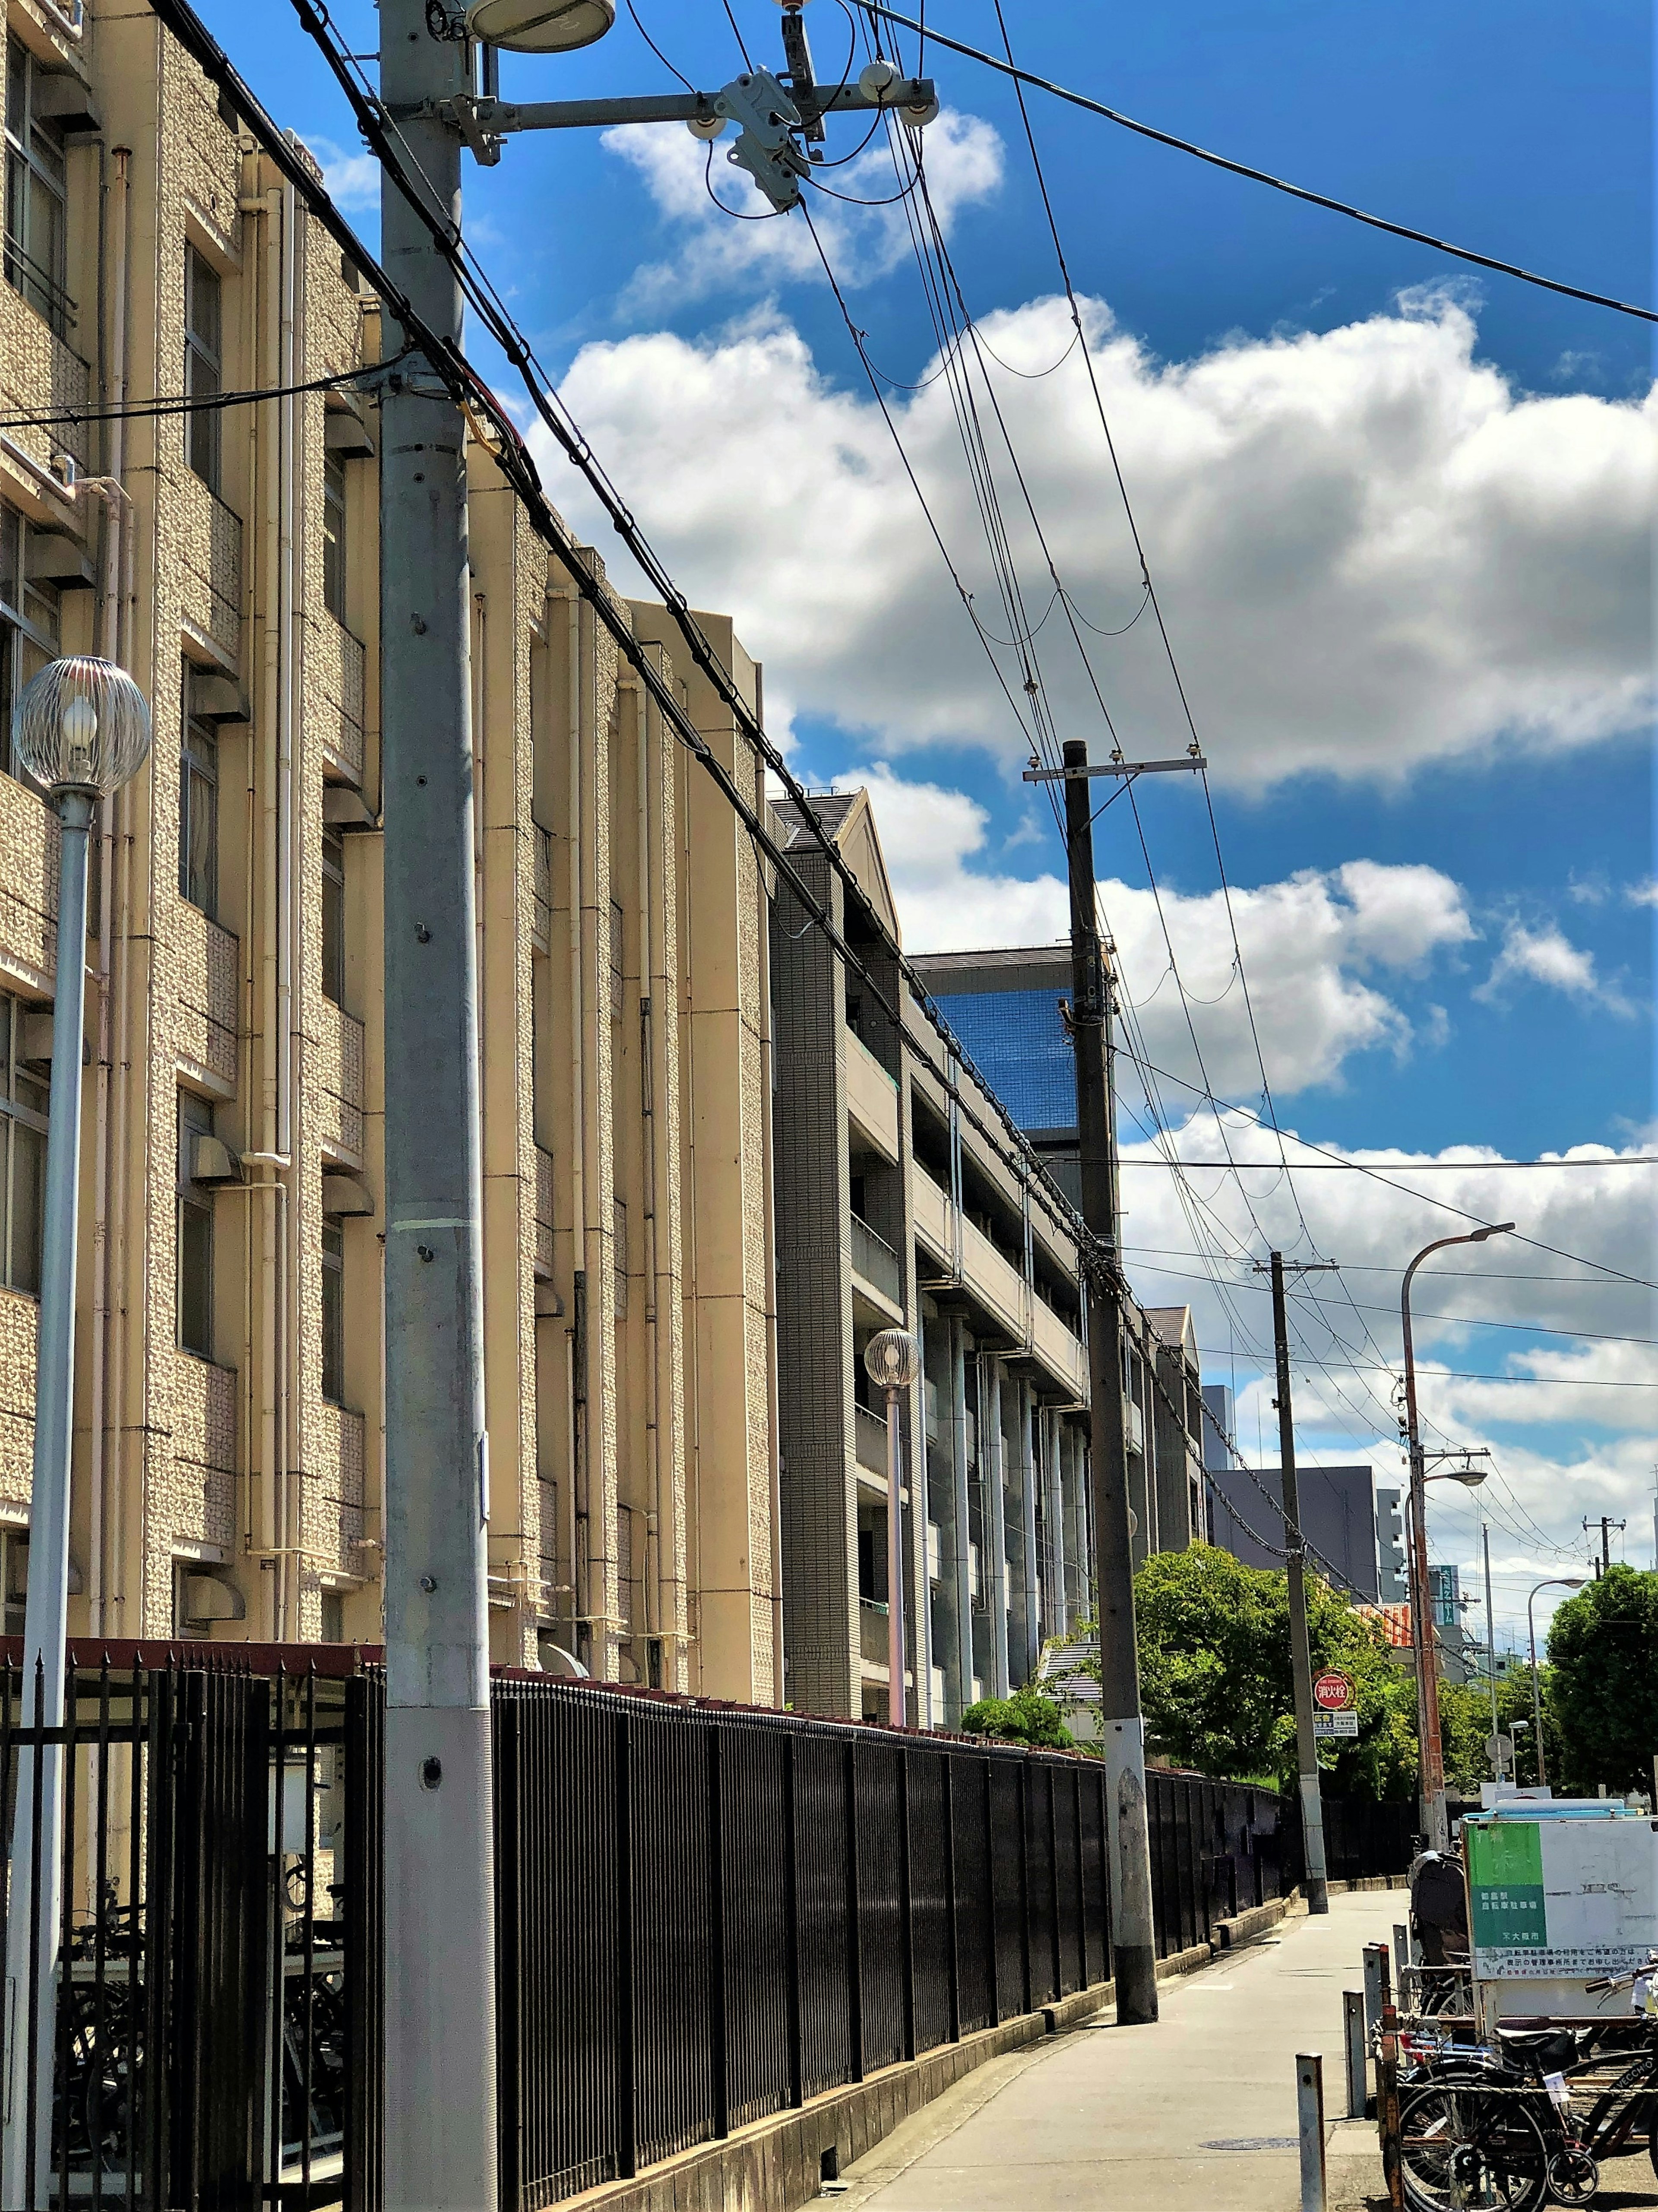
{"type": "Point", "coordinates": [81, 729]}
{"type": "Point", "coordinates": [1551, 1582]}
{"type": "Point", "coordinates": [892, 1361]}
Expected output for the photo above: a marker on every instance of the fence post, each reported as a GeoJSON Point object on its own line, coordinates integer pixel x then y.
{"type": "Point", "coordinates": [1024, 1880]}
{"type": "Point", "coordinates": [1358, 2046]}
{"type": "Point", "coordinates": [1053, 1886]}
{"type": "Point", "coordinates": [792, 1923]}
{"type": "Point", "coordinates": [951, 1917]}
{"type": "Point", "coordinates": [854, 1933]}
{"type": "Point", "coordinates": [1377, 1991]}
{"type": "Point", "coordinates": [1309, 2113]}
{"type": "Point", "coordinates": [1401, 1951]}
{"type": "Point", "coordinates": [1082, 1879]}
{"type": "Point", "coordinates": [1387, 2108]}
{"type": "Point", "coordinates": [509, 1966]}
{"type": "Point", "coordinates": [992, 1947]}
{"type": "Point", "coordinates": [906, 1905]}
{"type": "Point", "coordinates": [627, 2149]}
{"type": "Point", "coordinates": [717, 1940]}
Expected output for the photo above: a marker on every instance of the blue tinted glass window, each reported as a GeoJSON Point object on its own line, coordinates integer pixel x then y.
{"type": "Point", "coordinates": [1017, 1042]}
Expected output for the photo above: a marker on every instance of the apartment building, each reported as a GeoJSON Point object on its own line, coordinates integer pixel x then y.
{"type": "Point", "coordinates": [229, 1448]}
{"type": "Point", "coordinates": [904, 1199]}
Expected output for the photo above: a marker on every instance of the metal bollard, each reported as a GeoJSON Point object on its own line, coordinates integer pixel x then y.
{"type": "Point", "coordinates": [1309, 2113]}
{"type": "Point", "coordinates": [1378, 1990]}
{"type": "Point", "coordinates": [1359, 2047]}
{"type": "Point", "coordinates": [1401, 1951]}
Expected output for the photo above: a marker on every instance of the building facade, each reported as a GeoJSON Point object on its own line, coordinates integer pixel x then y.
{"type": "Point", "coordinates": [229, 1448]}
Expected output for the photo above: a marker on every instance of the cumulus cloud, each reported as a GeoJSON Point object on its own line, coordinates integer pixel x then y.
{"type": "Point", "coordinates": [1548, 957]}
{"type": "Point", "coordinates": [1372, 551]}
{"type": "Point", "coordinates": [1318, 949]}
{"type": "Point", "coordinates": [1569, 1430]}
{"type": "Point", "coordinates": [712, 250]}
{"type": "Point", "coordinates": [353, 179]}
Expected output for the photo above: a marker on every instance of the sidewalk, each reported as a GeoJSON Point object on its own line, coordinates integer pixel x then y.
{"type": "Point", "coordinates": [1197, 2114]}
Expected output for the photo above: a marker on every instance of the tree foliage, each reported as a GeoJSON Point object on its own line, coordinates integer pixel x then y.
{"type": "Point", "coordinates": [1215, 1678]}
{"type": "Point", "coordinates": [1027, 1717]}
{"type": "Point", "coordinates": [1603, 1682]}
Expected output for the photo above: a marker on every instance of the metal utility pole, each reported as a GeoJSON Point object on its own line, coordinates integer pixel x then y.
{"type": "Point", "coordinates": [1312, 1806]}
{"type": "Point", "coordinates": [440, 2113]}
{"type": "Point", "coordinates": [1121, 1727]}
{"type": "Point", "coordinates": [1430, 1749]}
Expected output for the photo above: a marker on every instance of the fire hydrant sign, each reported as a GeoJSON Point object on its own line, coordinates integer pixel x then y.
{"type": "Point", "coordinates": [1561, 1900]}
{"type": "Point", "coordinates": [1332, 1692]}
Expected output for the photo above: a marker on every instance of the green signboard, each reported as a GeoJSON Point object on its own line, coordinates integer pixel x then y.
{"type": "Point", "coordinates": [1505, 1885]}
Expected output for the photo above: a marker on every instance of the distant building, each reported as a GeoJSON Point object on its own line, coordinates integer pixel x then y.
{"type": "Point", "coordinates": [1337, 1518]}
{"type": "Point", "coordinates": [1004, 1008]}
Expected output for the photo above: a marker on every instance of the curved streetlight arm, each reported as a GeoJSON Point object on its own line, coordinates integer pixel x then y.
{"type": "Point", "coordinates": [1549, 1582]}
{"type": "Point", "coordinates": [1430, 1749]}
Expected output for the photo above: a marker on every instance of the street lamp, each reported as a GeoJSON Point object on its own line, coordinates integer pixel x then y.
{"type": "Point", "coordinates": [1550, 1581]}
{"type": "Point", "coordinates": [1427, 1659]}
{"type": "Point", "coordinates": [892, 1361]}
{"type": "Point", "coordinates": [80, 730]}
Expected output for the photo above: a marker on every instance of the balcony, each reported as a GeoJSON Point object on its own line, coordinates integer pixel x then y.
{"type": "Point", "coordinates": [209, 960]}
{"type": "Point", "coordinates": [869, 1446]}
{"type": "Point", "coordinates": [339, 1050]}
{"type": "Point", "coordinates": [39, 374]}
{"type": "Point", "coordinates": [872, 1634]}
{"type": "Point", "coordinates": [339, 669]}
{"type": "Point", "coordinates": [872, 1099]}
{"type": "Point", "coordinates": [542, 927]}
{"type": "Point", "coordinates": [210, 541]}
{"type": "Point", "coordinates": [876, 1270]}
{"type": "Point", "coordinates": [932, 1217]}
{"type": "Point", "coordinates": [543, 1260]}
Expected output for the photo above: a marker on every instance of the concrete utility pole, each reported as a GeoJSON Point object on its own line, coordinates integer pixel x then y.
{"type": "Point", "coordinates": [1121, 1727]}
{"type": "Point", "coordinates": [439, 1881]}
{"type": "Point", "coordinates": [1605, 1525]}
{"type": "Point", "coordinates": [1301, 1668]}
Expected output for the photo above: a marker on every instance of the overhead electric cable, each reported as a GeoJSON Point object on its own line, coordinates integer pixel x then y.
{"type": "Point", "coordinates": [1265, 176]}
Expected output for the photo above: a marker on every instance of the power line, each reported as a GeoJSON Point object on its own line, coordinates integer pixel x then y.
{"type": "Point", "coordinates": [1265, 176]}
{"type": "Point", "coordinates": [1421, 1167]}
{"type": "Point", "coordinates": [188, 403]}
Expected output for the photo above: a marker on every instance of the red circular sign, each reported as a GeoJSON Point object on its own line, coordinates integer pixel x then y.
{"type": "Point", "coordinates": [1333, 1692]}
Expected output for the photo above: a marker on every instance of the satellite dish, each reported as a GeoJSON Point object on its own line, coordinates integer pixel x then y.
{"type": "Point", "coordinates": [540, 26]}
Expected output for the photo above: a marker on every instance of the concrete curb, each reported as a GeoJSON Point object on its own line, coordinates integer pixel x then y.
{"type": "Point", "coordinates": [1245, 1927]}
{"type": "Point", "coordinates": [1370, 1882]}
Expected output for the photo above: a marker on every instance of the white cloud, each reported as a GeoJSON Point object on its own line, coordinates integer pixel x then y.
{"type": "Point", "coordinates": [353, 179]}
{"type": "Point", "coordinates": [751, 247]}
{"type": "Point", "coordinates": [1547, 955]}
{"type": "Point", "coordinates": [1644, 894]}
{"type": "Point", "coordinates": [1372, 552]}
{"type": "Point", "coordinates": [1570, 1436]}
{"type": "Point", "coordinates": [1310, 943]}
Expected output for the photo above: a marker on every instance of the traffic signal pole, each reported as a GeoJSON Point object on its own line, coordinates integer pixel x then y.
{"type": "Point", "coordinates": [439, 2008]}
{"type": "Point", "coordinates": [1301, 1668]}
{"type": "Point", "coordinates": [1121, 1727]}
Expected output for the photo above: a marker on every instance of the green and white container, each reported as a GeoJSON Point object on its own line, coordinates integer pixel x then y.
{"type": "Point", "coordinates": [1559, 1895]}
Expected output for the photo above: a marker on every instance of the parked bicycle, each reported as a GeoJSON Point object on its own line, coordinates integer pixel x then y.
{"type": "Point", "coordinates": [1530, 2119]}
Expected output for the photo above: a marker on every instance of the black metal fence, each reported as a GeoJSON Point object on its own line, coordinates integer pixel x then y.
{"type": "Point", "coordinates": [706, 1915]}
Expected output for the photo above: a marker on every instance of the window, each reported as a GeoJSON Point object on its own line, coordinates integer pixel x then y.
{"type": "Point", "coordinates": [199, 810]}
{"type": "Point", "coordinates": [333, 1317]}
{"type": "Point", "coordinates": [333, 916]}
{"type": "Point", "coordinates": [28, 621]}
{"type": "Point", "coordinates": [203, 367]}
{"type": "Point", "coordinates": [23, 1103]}
{"type": "Point", "coordinates": [333, 535]}
{"type": "Point", "coordinates": [195, 1231]}
{"type": "Point", "coordinates": [35, 224]}
{"type": "Point", "coordinates": [333, 1616]}
{"type": "Point", "coordinates": [15, 1575]}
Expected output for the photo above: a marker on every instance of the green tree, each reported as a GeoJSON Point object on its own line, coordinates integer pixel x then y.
{"type": "Point", "coordinates": [1215, 1678]}
{"type": "Point", "coordinates": [1027, 1717]}
{"type": "Point", "coordinates": [1603, 1682]}
{"type": "Point", "coordinates": [1465, 1728]}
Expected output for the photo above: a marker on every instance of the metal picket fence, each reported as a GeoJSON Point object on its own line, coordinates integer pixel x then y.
{"type": "Point", "coordinates": [705, 1914]}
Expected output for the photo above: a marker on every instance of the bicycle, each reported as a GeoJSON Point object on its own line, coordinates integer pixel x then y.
{"type": "Point", "coordinates": [1498, 2131]}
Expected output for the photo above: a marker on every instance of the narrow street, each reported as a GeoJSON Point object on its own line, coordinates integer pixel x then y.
{"type": "Point", "coordinates": [1197, 2114]}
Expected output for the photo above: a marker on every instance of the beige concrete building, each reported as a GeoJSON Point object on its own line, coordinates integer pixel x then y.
{"type": "Point", "coordinates": [229, 1446]}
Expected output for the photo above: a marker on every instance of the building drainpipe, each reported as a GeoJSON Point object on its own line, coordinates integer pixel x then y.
{"type": "Point", "coordinates": [1033, 1603]}
{"type": "Point", "coordinates": [768, 1130]}
{"type": "Point", "coordinates": [580, 1408]}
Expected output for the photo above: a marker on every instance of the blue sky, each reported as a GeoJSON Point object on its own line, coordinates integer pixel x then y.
{"type": "Point", "coordinates": [1397, 516]}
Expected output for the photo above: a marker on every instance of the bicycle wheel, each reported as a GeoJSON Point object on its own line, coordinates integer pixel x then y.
{"type": "Point", "coordinates": [1466, 2148]}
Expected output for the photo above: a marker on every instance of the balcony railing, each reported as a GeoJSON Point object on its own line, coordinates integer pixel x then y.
{"type": "Point", "coordinates": [873, 1631]}
{"type": "Point", "coordinates": [874, 1259]}
{"type": "Point", "coordinates": [870, 1438]}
